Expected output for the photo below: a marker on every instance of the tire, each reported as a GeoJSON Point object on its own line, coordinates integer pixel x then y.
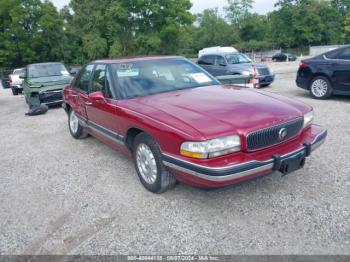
{"type": "Point", "coordinates": [75, 129]}
{"type": "Point", "coordinates": [158, 181]}
{"type": "Point", "coordinates": [320, 87]}
{"type": "Point", "coordinates": [15, 91]}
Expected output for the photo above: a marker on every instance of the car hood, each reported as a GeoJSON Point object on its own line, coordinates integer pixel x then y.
{"type": "Point", "coordinates": [50, 80]}
{"type": "Point", "coordinates": [215, 111]}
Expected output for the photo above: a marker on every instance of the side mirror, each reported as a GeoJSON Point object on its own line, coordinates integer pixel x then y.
{"type": "Point", "coordinates": [98, 97]}
{"type": "Point", "coordinates": [22, 75]}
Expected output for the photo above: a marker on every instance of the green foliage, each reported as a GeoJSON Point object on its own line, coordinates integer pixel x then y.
{"type": "Point", "coordinates": [213, 30]}
{"type": "Point", "coordinates": [347, 27]}
{"type": "Point", "coordinates": [237, 10]}
{"type": "Point", "coordinates": [34, 31]}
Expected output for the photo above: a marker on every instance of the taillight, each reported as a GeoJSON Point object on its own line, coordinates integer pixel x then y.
{"type": "Point", "coordinates": [303, 65]}
{"type": "Point", "coordinates": [10, 79]}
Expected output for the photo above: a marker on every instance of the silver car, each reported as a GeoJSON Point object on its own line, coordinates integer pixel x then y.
{"type": "Point", "coordinates": [235, 63]}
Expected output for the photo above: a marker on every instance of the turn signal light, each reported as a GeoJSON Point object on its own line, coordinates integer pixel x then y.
{"type": "Point", "coordinates": [193, 155]}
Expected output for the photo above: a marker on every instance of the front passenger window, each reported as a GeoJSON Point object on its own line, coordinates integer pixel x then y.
{"type": "Point", "coordinates": [102, 81]}
{"type": "Point", "coordinates": [220, 61]}
{"type": "Point", "coordinates": [99, 80]}
{"type": "Point", "coordinates": [84, 78]}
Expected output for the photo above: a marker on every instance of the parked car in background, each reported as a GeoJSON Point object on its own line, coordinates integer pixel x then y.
{"type": "Point", "coordinates": [219, 62]}
{"type": "Point", "coordinates": [15, 82]}
{"type": "Point", "coordinates": [179, 123]}
{"type": "Point", "coordinates": [73, 70]}
{"type": "Point", "coordinates": [43, 83]}
{"type": "Point", "coordinates": [326, 74]}
{"type": "Point", "coordinates": [283, 57]}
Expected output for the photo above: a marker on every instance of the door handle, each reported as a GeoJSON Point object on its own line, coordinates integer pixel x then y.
{"type": "Point", "coordinates": [88, 103]}
{"type": "Point", "coordinates": [73, 95]}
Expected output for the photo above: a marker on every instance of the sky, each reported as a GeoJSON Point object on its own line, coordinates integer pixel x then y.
{"type": "Point", "coordinates": [260, 6]}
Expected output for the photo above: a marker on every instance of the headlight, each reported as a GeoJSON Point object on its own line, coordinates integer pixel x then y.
{"type": "Point", "coordinates": [211, 148]}
{"type": "Point", "coordinates": [308, 118]}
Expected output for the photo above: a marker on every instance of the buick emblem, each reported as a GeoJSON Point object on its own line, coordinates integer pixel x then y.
{"type": "Point", "coordinates": [282, 134]}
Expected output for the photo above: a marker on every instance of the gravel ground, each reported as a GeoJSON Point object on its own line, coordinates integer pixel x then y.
{"type": "Point", "coordinates": [63, 196]}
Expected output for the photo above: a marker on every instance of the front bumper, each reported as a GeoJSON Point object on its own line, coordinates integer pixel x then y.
{"type": "Point", "coordinates": [266, 79]}
{"type": "Point", "coordinates": [51, 97]}
{"type": "Point", "coordinates": [17, 87]}
{"type": "Point", "coordinates": [258, 164]}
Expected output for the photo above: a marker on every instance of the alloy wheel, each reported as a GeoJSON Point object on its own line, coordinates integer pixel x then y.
{"type": "Point", "coordinates": [73, 122]}
{"type": "Point", "coordinates": [319, 88]}
{"type": "Point", "coordinates": [146, 163]}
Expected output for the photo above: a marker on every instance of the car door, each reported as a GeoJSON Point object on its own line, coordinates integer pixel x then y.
{"type": "Point", "coordinates": [220, 66]}
{"type": "Point", "coordinates": [207, 63]}
{"type": "Point", "coordinates": [341, 71]}
{"type": "Point", "coordinates": [80, 92]}
{"type": "Point", "coordinates": [101, 109]}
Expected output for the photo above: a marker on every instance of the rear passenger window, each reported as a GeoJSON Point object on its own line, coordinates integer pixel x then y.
{"type": "Point", "coordinates": [345, 55]}
{"type": "Point", "coordinates": [207, 60]}
{"type": "Point", "coordinates": [84, 78]}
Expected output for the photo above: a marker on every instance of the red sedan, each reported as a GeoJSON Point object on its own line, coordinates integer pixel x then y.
{"type": "Point", "coordinates": [179, 123]}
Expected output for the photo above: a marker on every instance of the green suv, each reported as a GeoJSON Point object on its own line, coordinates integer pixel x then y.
{"type": "Point", "coordinates": [43, 83]}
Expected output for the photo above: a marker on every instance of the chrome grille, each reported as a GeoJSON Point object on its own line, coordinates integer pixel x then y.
{"type": "Point", "coordinates": [270, 136]}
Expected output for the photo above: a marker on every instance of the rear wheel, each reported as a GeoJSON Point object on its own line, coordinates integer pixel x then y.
{"type": "Point", "coordinates": [149, 166]}
{"type": "Point", "coordinates": [75, 129]}
{"type": "Point", "coordinates": [320, 87]}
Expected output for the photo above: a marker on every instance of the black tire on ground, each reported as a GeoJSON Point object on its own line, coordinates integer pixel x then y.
{"type": "Point", "coordinates": [79, 133]}
{"type": "Point", "coordinates": [15, 91]}
{"type": "Point", "coordinates": [164, 179]}
{"type": "Point", "coordinates": [320, 80]}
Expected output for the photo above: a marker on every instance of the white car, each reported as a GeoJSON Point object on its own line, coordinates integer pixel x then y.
{"type": "Point", "coordinates": [16, 82]}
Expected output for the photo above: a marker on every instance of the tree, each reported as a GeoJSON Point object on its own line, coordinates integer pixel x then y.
{"type": "Point", "coordinates": [305, 22]}
{"type": "Point", "coordinates": [213, 30]}
{"type": "Point", "coordinates": [50, 32]}
{"type": "Point", "coordinates": [347, 27]}
{"type": "Point", "coordinates": [237, 10]}
{"type": "Point", "coordinates": [342, 5]}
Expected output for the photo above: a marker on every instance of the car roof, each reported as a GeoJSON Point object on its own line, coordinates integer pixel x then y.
{"type": "Point", "coordinates": [220, 53]}
{"type": "Point", "coordinates": [134, 59]}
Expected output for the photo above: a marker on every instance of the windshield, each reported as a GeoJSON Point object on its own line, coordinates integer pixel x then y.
{"type": "Point", "coordinates": [18, 71]}
{"type": "Point", "coordinates": [46, 70]}
{"type": "Point", "coordinates": [143, 78]}
{"type": "Point", "coordinates": [237, 59]}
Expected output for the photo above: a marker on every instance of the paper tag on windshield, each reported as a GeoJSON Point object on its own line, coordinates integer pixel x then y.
{"type": "Point", "coordinates": [201, 78]}
{"type": "Point", "coordinates": [64, 72]}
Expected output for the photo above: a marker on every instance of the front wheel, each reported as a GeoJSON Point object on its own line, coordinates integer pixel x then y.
{"type": "Point", "coordinates": [149, 166]}
{"type": "Point", "coordinates": [75, 129]}
{"type": "Point", "coordinates": [320, 87]}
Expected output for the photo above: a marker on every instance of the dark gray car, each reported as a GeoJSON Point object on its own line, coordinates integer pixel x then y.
{"type": "Point", "coordinates": [221, 64]}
